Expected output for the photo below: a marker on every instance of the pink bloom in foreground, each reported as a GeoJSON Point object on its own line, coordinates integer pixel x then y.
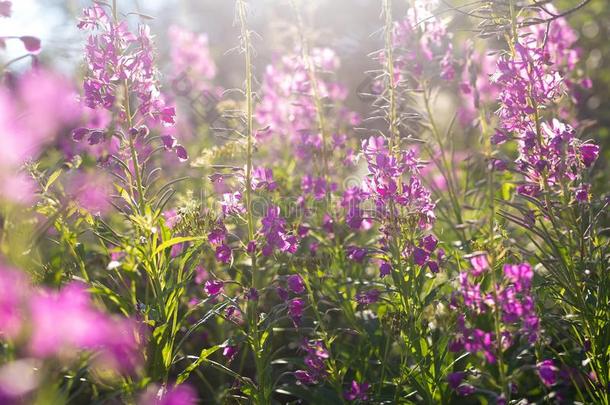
{"type": "Point", "coordinates": [67, 321]}
{"type": "Point", "coordinates": [13, 293]}
{"type": "Point", "coordinates": [177, 395]}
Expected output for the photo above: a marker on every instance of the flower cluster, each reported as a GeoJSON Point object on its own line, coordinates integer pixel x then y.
{"type": "Point", "coordinates": [287, 106]}
{"type": "Point", "coordinates": [191, 58]}
{"type": "Point", "coordinates": [511, 300]}
{"type": "Point", "coordinates": [118, 58]}
{"type": "Point", "coordinates": [387, 187]}
{"type": "Point", "coordinates": [551, 156]}
{"type": "Point", "coordinates": [315, 361]}
{"type": "Point", "coordinates": [273, 231]}
{"type": "Point", "coordinates": [421, 41]}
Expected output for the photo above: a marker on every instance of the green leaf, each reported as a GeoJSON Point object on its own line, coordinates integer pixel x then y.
{"type": "Point", "coordinates": [52, 178]}
{"type": "Point", "coordinates": [205, 353]}
{"type": "Point", "coordinates": [175, 241]}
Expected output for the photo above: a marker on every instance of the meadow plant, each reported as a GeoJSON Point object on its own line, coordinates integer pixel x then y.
{"type": "Point", "coordinates": [165, 241]}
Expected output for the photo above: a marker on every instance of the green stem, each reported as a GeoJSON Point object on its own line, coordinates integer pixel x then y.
{"type": "Point", "coordinates": [315, 90]}
{"type": "Point", "coordinates": [261, 394]}
{"type": "Point", "coordinates": [389, 59]}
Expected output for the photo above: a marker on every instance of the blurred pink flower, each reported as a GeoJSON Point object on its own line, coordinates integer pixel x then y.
{"type": "Point", "coordinates": [66, 320]}
{"type": "Point", "coordinates": [91, 191]}
{"type": "Point", "coordinates": [13, 293]}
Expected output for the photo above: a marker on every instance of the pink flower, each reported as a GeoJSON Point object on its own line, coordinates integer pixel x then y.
{"type": "Point", "coordinates": [91, 192]}
{"type": "Point", "coordinates": [547, 372]}
{"type": "Point", "coordinates": [66, 321]}
{"type": "Point", "coordinates": [296, 284]}
{"type": "Point", "coordinates": [479, 264]}
{"type": "Point", "coordinates": [231, 204]}
{"type": "Point", "coordinates": [182, 394]}
{"type": "Point", "coordinates": [213, 287]}
{"type": "Point", "coordinates": [14, 290]}
{"type": "Point", "coordinates": [224, 254]}
{"type": "Point", "coordinates": [357, 391]}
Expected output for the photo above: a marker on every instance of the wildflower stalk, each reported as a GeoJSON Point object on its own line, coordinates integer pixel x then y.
{"type": "Point", "coordinates": [315, 94]}
{"type": "Point", "coordinates": [262, 394]}
{"type": "Point", "coordinates": [406, 275]}
{"type": "Point", "coordinates": [132, 148]}
{"type": "Point", "coordinates": [389, 60]}
{"type": "Point", "coordinates": [134, 153]}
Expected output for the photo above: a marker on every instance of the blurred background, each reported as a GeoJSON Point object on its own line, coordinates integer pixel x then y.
{"type": "Point", "coordinates": [350, 27]}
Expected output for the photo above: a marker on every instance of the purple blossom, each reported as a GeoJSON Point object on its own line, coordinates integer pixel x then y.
{"type": "Point", "coordinates": [274, 233]}
{"type": "Point", "coordinates": [589, 153]}
{"type": "Point", "coordinates": [479, 264]}
{"type": "Point", "coordinates": [191, 58]}
{"type": "Point", "coordinates": [429, 243]}
{"type": "Point", "coordinates": [296, 284]}
{"type": "Point", "coordinates": [5, 8]}
{"type": "Point", "coordinates": [420, 256]}
{"type": "Point", "coordinates": [295, 310]}
{"type": "Point", "coordinates": [582, 193]}
{"type": "Point", "coordinates": [368, 297]}
{"type": "Point", "coordinates": [224, 254]}
{"type": "Point", "coordinates": [547, 371]}
{"type": "Point", "coordinates": [213, 287]}
{"type": "Point", "coordinates": [262, 178]}
{"type": "Point", "coordinates": [520, 275]}
{"type": "Point", "coordinates": [315, 361]}
{"type": "Point", "coordinates": [357, 391]}
{"type": "Point", "coordinates": [385, 268]}
{"type": "Point", "coordinates": [229, 351]}
{"type": "Point", "coordinates": [231, 204]}
{"type": "Point", "coordinates": [455, 379]}
{"type": "Point", "coordinates": [252, 294]}
{"type": "Point", "coordinates": [356, 253]}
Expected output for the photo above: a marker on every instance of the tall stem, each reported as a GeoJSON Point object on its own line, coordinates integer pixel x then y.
{"type": "Point", "coordinates": [315, 94]}
{"type": "Point", "coordinates": [261, 395]}
{"type": "Point", "coordinates": [389, 59]}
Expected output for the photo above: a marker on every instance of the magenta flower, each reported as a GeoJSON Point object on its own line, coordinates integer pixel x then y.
{"type": "Point", "coordinates": [14, 291]}
{"type": "Point", "coordinates": [582, 193]}
{"type": "Point", "coordinates": [229, 351]}
{"type": "Point", "coordinates": [547, 372]}
{"type": "Point", "coordinates": [182, 394]}
{"type": "Point", "coordinates": [455, 379]}
{"type": "Point", "coordinates": [213, 287]}
{"type": "Point", "coordinates": [31, 44]}
{"type": "Point", "coordinates": [356, 253]}
{"type": "Point", "coordinates": [262, 178]}
{"type": "Point", "coordinates": [224, 254]}
{"type": "Point", "coordinates": [368, 297]}
{"type": "Point", "coordinates": [275, 235]}
{"type": "Point", "coordinates": [520, 275]}
{"type": "Point", "coordinates": [315, 361]}
{"type": "Point", "coordinates": [116, 56]}
{"type": "Point", "coordinates": [296, 284]}
{"type": "Point", "coordinates": [479, 264]}
{"type": "Point", "coordinates": [589, 153]}
{"type": "Point", "coordinates": [231, 204]}
{"type": "Point", "coordinates": [66, 322]}
{"type": "Point", "coordinates": [191, 58]}
{"type": "Point", "coordinates": [295, 310]}
{"type": "Point", "coordinates": [357, 391]}
{"type": "Point", "coordinates": [91, 191]}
